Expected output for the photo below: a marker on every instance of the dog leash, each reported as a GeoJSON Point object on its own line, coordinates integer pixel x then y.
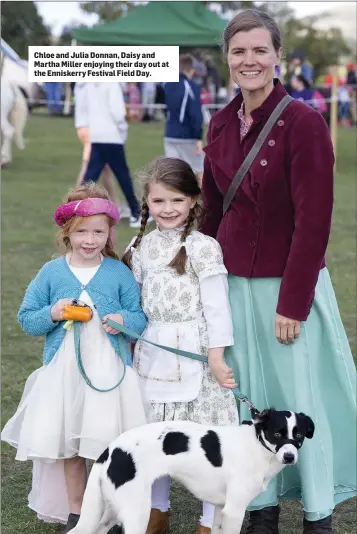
{"type": "Point", "coordinates": [122, 348]}
{"type": "Point", "coordinates": [77, 347]}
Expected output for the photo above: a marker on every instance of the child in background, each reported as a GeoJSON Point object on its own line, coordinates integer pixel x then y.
{"type": "Point", "coordinates": [319, 102]}
{"type": "Point", "coordinates": [61, 421]}
{"type": "Point", "coordinates": [344, 106]}
{"type": "Point", "coordinates": [184, 292]}
{"type": "Point", "coordinates": [81, 124]}
{"type": "Point", "coordinates": [206, 97]}
{"type": "Point", "coordinates": [301, 89]}
{"type": "Point", "coordinates": [102, 110]}
{"type": "Point", "coordinates": [134, 100]}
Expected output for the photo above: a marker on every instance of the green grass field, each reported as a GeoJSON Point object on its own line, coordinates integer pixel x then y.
{"type": "Point", "coordinates": [31, 189]}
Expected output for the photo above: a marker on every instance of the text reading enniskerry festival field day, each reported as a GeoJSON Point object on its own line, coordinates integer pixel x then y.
{"type": "Point", "coordinates": [103, 63]}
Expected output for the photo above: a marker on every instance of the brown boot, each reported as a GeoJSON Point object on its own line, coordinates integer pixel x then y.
{"type": "Point", "coordinates": [203, 530]}
{"type": "Point", "coordinates": [265, 521]}
{"type": "Point", "coordinates": [322, 526]}
{"type": "Point", "coordinates": [158, 522]}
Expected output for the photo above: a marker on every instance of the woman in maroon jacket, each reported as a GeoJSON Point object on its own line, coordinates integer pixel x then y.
{"type": "Point", "coordinates": [291, 350]}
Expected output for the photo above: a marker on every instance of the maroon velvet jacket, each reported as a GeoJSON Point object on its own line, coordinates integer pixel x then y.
{"type": "Point", "coordinates": [279, 222]}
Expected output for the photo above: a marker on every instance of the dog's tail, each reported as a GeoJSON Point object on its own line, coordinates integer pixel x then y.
{"type": "Point", "coordinates": [92, 506]}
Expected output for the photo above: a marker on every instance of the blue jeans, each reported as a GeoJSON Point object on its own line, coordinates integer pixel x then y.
{"type": "Point", "coordinates": [112, 154]}
{"type": "Point", "coordinates": [344, 110]}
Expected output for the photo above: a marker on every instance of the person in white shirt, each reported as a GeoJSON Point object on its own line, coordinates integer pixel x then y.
{"type": "Point", "coordinates": [102, 110]}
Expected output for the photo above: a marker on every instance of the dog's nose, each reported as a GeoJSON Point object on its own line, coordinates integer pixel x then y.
{"type": "Point", "coordinates": [288, 458]}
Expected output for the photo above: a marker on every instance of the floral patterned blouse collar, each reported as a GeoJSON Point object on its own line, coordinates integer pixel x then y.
{"type": "Point", "coordinates": [170, 233]}
{"type": "Point", "coordinates": [244, 123]}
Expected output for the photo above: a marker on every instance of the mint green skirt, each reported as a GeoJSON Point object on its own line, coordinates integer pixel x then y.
{"type": "Point", "coordinates": [316, 375]}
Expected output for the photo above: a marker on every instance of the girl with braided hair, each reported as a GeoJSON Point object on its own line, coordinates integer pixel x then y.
{"type": "Point", "coordinates": [184, 295]}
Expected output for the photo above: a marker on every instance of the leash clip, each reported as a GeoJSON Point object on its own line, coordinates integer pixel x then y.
{"type": "Point", "coordinates": [253, 410]}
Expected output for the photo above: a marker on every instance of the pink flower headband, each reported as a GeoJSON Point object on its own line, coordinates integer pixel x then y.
{"type": "Point", "coordinates": [86, 208]}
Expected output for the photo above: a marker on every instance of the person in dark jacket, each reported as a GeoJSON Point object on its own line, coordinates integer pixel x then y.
{"type": "Point", "coordinates": [291, 350]}
{"type": "Point", "coordinates": [183, 131]}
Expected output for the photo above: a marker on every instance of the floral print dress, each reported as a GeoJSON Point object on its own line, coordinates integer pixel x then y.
{"type": "Point", "coordinates": [176, 387]}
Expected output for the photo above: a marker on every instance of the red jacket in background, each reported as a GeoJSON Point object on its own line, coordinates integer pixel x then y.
{"type": "Point", "coordinates": [279, 222]}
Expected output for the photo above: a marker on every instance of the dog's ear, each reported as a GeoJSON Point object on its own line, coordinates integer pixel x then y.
{"type": "Point", "coordinates": [308, 425]}
{"type": "Point", "coordinates": [260, 418]}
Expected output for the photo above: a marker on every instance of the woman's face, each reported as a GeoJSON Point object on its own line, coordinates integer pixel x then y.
{"type": "Point", "coordinates": [252, 59]}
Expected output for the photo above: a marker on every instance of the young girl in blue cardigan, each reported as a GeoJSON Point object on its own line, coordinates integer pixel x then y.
{"type": "Point", "coordinates": [61, 421]}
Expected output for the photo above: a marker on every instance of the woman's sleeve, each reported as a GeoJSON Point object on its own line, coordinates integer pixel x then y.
{"type": "Point", "coordinates": [217, 310]}
{"type": "Point", "coordinates": [212, 199]}
{"type": "Point", "coordinates": [34, 315]}
{"type": "Point", "coordinates": [311, 178]}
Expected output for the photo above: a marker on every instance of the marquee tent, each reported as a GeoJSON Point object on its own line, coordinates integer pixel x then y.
{"type": "Point", "coordinates": [187, 24]}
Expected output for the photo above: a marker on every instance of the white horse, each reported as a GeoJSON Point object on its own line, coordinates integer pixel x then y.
{"type": "Point", "coordinates": [14, 113]}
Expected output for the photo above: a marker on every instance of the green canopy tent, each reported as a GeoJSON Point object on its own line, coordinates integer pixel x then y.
{"type": "Point", "coordinates": [188, 24]}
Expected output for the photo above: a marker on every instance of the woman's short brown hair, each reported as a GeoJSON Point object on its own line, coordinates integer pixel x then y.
{"type": "Point", "coordinates": [247, 20]}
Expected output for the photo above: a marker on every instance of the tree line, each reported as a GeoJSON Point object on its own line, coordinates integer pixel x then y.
{"type": "Point", "coordinates": [22, 26]}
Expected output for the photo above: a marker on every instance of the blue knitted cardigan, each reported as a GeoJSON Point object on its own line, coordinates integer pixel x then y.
{"type": "Point", "coordinates": [113, 289]}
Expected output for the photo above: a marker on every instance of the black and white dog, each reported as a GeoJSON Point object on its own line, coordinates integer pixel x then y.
{"type": "Point", "coordinates": [225, 465]}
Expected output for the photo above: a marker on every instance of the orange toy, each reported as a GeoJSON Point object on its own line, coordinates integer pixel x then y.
{"type": "Point", "coordinates": [78, 311]}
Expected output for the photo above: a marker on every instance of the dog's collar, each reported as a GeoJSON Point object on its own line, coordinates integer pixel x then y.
{"type": "Point", "coordinates": [260, 439]}
{"type": "Point", "coordinates": [259, 436]}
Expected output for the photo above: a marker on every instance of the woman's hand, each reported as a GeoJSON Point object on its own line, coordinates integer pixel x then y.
{"type": "Point", "coordinates": [286, 330]}
{"type": "Point", "coordinates": [114, 317]}
{"type": "Point", "coordinates": [57, 309]}
{"type": "Point", "coordinates": [220, 369]}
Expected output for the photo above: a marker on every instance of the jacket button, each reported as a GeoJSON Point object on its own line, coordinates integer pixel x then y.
{"type": "Point", "coordinates": [83, 286]}
{"type": "Point", "coordinates": [252, 243]}
{"type": "Point", "coordinates": [281, 123]}
{"type": "Point", "coordinates": [263, 162]}
{"type": "Point", "coordinates": [271, 142]}
{"type": "Point", "coordinates": [255, 224]}
{"type": "Point", "coordinates": [256, 185]}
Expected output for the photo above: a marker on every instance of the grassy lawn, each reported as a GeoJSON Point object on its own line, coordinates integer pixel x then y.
{"type": "Point", "coordinates": [31, 189]}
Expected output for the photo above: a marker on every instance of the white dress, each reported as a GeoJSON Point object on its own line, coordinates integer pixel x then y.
{"type": "Point", "coordinates": [189, 312]}
{"type": "Point", "coordinates": [60, 416]}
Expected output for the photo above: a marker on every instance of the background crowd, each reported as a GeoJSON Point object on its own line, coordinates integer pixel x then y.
{"type": "Point", "coordinates": [145, 101]}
